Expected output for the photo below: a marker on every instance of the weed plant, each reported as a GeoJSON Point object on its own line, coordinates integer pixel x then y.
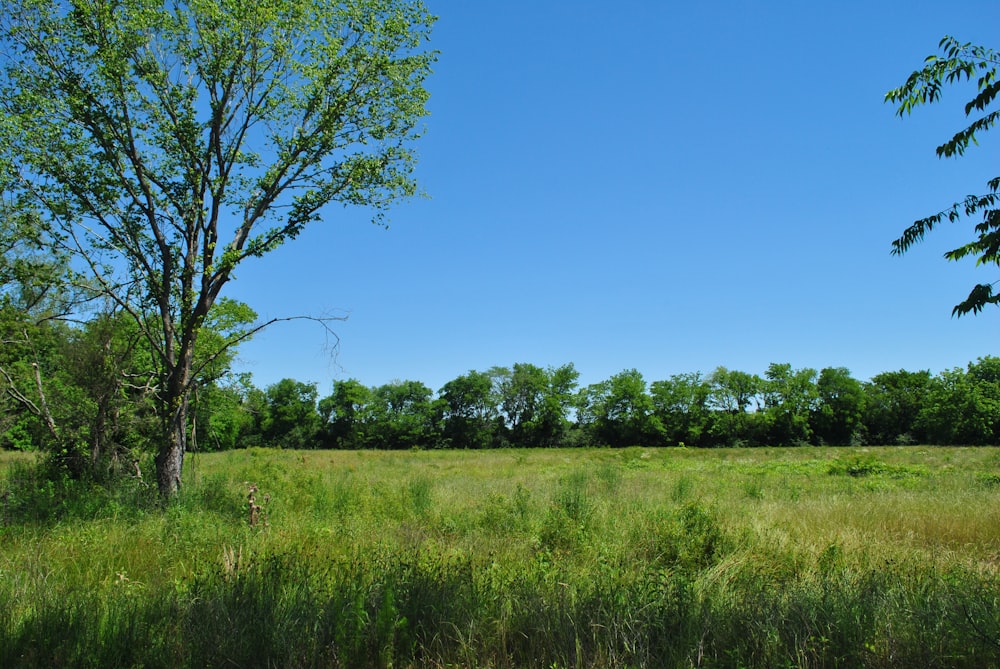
{"type": "Point", "coordinates": [583, 558]}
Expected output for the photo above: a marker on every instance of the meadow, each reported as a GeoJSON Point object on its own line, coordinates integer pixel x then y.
{"type": "Point", "coordinates": [673, 557]}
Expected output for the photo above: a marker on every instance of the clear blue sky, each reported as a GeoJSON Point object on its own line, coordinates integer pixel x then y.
{"type": "Point", "coordinates": [655, 185]}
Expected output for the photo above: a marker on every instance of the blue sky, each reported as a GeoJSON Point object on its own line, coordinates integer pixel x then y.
{"type": "Point", "coordinates": [655, 185]}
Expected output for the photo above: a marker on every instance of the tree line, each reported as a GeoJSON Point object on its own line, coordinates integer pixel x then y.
{"type": "Point", "coordinates": [83, 392]}
{"type": "Point", "coordinates": [525, 405]}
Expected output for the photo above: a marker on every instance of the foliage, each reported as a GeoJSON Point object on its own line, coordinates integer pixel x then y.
{"type": "Point", "coordinates": [96, 387]}
{"type": "Point", "coordinates": [229, 413]}
{"type": "Point", "coordinates": [959, 62]}
{"type": "Point", "coordinates": [347, 414]}
{"type": "Point", "coordinates": [892, 403]}
{"type": "Point", "coordinates": [790, 400]}
{"type": "Point", "coordinates": [403, 416]}
{"type": "Point", "coordinates": [471, 415]}
{"type": "Point", "coordinates": [292, 420]}
{"type": "Point", "coordinates": [84, 391]}
{"type": "Point", "coordinates": [732, 395]}
{"type": "Point", "coordinates": [963, 406]}
{"type": "Point", "coordinates": [838, 417]}
{"type": "Point", "coordinates": [619, 411]}
{"type": "Point", "coordinates": [866, 465]}
{"type": "Point", "coordinates": [395, 415]}
{"type": "Point", "coordinates": [680, 404]}
{"type": "Point", "coordinates": [535, 402]}
{"type": "Point", "coordinates": [80, 393]}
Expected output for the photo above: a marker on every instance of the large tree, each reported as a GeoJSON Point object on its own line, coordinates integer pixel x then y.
{"type": "Point", "coordinates": [403, 415]}
{"type": "Point", "coordinates": [164, 144]}
{"type": "Point", "coordinates": [960, 62]}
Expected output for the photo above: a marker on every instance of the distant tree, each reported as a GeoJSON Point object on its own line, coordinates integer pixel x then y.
{"type": "Point", "coordinates": [519, 391]}
{"type": "Point", "coordinates": [471, 412]}
{"type": "Point", "coordinates": [37, 295]}
{"type": "Point", "coordinates": [535, 402]}
{"type": "Point", "coordinates": [32, 365]}
{"type": "Point", "coordinates": [892, 402]}
{"type": "Point", "coordinates": [109, 364]}
{"type": "Point", "coordinates": [962, 407]}
{"type": "Point", "coordinates": [79, 392]}
{"type": "Point", "coordinates": [619, 412]}
{"type": "Point", "coordinates": [960, 62]}
{"type": "Point", "coordinates": [680, 404]}
{"type": "Point", "coordinates": [838, 417]}
{"type": "Point", "coordinates": [733, 391]}
{"type": "Point", "coordinates": [552, 423]}
{"type": "Point", "coordinates": [736, 399]}
{"type": "Point", "coordinates": [293, 420]}
{"type": "Point", "coordinates": [402, 416]}
{"type": "Point", "coordinates": [347, 415]}
{"type": "Point", "coordinates": [985, 370]}
{"type": "Point", "coordinates": [166, 144]}
{"type": "Point", "coordinates": [790, 397]}
{"type": "Point", "coordinates": [224, 413]}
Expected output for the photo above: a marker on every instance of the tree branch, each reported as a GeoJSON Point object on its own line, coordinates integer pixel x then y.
{"type": "Point", "coordinates": [323, 321]}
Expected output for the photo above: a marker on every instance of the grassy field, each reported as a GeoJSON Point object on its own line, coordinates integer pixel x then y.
{"type": "Point", "coordinates": [807, 557]}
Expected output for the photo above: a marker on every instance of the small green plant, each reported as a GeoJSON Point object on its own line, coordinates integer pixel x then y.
{"type": "Point", "coordinates": [420, 491]}
{"type": "Point", "coordinates": [217, 493]}
{"type": "Point", "coordinates": [702, 540]}
{"type": "Point", "coordinates": [988, 479]}
{"type": "Point", "coordinates": [504, 514]}
{"type": "Point", "coordinates": [857, 466]}
{"type": "Point", "coordinates": [682, 489]}
{"type": "Point", "coordinates": [860, 466]}
{"type": "Point", "coordinates": [573, 498]}
{"type": "Point", "coordinates": [753, 487]}
{"type": "Point", "coordinates": [610, 475]}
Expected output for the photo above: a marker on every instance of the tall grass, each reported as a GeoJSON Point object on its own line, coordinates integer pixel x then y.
{"type": "Point", "coordinates": [591, 558]}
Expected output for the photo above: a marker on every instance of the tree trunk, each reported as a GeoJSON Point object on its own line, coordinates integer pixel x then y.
{"type": "Point", "coordinates": [170, 459]}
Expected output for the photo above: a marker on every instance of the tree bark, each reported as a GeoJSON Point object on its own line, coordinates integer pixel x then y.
{"type": "Point", "coordinates": [170, 458]}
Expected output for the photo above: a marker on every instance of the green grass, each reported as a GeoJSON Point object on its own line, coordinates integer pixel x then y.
{"type": "Point", "coordinates": [808, 557]}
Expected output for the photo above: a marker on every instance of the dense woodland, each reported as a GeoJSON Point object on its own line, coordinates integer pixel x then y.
{"type": "Point", "coordinates": [83, 391]}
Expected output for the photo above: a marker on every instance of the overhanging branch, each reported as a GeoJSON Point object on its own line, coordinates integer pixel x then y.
{"type": "Point", "coordinates": [324, 322]}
